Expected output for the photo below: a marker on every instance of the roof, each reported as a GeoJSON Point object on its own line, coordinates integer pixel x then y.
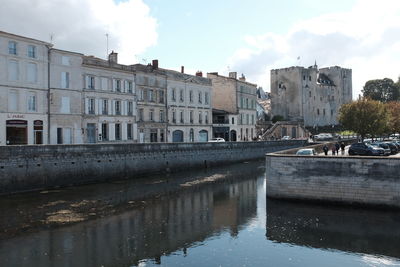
{"type": "Point", "coordinates": [27, 38]}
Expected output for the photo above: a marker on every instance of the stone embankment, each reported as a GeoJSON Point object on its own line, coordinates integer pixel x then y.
{"type": "Point", "coordinates": [27, 168]}
{"type": "Point", "coordinates": [347, 179]}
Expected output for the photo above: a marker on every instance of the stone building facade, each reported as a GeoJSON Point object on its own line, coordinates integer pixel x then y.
{"type": "Point", "coordinates": [310, 94]}
{"type": "Point", "coordinates": [236, 96]}
{"type": "Point", "coordinates": [23, 90]}
{"type": "Point", "coordinates": [189, 107]}
{"type": "Point", "coordinates": [151, 87]}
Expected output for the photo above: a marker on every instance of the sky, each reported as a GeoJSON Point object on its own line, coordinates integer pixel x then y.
{"type": "Point", "coordinates": [250, 37]}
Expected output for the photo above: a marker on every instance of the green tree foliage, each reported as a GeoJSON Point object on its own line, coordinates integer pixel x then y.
{"type": "Point", "coordinates": [277, 118]}
{"type": "Point", "coordinates": [365, 116]}
{"type": "Point", "coordinates": [394, 120]}
{"type": "Point", "coordinates": [384, 90]}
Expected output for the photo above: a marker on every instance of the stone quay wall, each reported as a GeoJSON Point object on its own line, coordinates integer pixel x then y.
{"type": "Point", "coordinates": [348, 180]}
{"type": "Point", "coordinates": [27, 168]}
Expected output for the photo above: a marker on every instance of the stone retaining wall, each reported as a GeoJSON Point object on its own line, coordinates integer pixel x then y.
{"type": "Point", "coordinates": [350, 180]}
{"type": "Point", "coordinates": [25, 168]}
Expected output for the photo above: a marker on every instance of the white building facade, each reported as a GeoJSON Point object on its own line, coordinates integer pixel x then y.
{"type": "Point", "coordinates": [189, 107]}
{"type": "Point", "coordinates": [23, 90]}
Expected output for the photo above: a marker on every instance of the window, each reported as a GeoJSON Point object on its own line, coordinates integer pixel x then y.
{"type": "Point", "coordinates": [104, 110]}
{"type": "Point", "coordinates": [151, 96]}
{"type": "Point", "coordinates": [104, 131]}
{"type": "Point", "coordinates": [247, 119]}
{"type": "Point", "coordinates": [31, 72]}
{"type": "Point", "coordinates": [333, 98]}
{"type": "Point", "coordinates": [161, 135]}
{"type": "Point", "coordinates": [320, 98]}
{"type": "Point", "coordinates": [32, 51]}
{"type": "Point", "coordinates": [13, 101]}
{"type": "Point", "coordinates": [309, 78]}
{"type": "Point", "coordinates": [90, 82]}
{"type": "Point", "coordinates": [200, 117]}
{"type": "Point", "coordinates": [141, 114]}
{"type": "Point", "coordinates": [13, 70]}
{"type": "Point", "coordinates": [173, 94]}
{"type": "Point", "coordinates": [65, 105]}
{"type": "Point", "coordinates": [153, 135]}
{"type": "Point", "coordinates": [130, 108]}
{"type": "Point", "coordinates": [206, 98]}
{"type": "Point", "coordinates": [247, 103]}
{"type": "Point", "coordinates": [12, 48]}
{"type": "Point", "coordinates": [206, 117]}
{"type": "Point", "coordinates": [141, 94]}
{"type": "Point", "coordinates": [129, 87]}
{"type": "Point", "coordinates": [181, 95]}
{"type": "Point", "coordinates": [161, 115]}
{"type": "Point", "coordinates": [304, 77]}
{"type": "Point", "coordinates": [252, 119]}
{"type": "Point", "coordinates": [191, 135]}
{"type": "Point", "coordinates": [233, 120]}
{"type": "Point", "coordinates": [117, 131]}
{"type": "Point", "coordinates": [191, 96]}
{"type": "Point", "coordinates": [200, 98]}
{"type": "Point", "coordinates": [161, 99]}
{"type": "Point", "coordinates": [117, 107]}
{"type": "Point", "coordinates": [64, 79]}
{"type": "Point", "coordinates": [32, 102]}
{"type": "Point", "coordinates": [151, 115]}
{"type": "Point", "coordinates": [331, 112]}
{"type": "Point", "coordinates": [65, 61]}
{"type": "Point", "coordinates": [129, 131]}
{"type": "Point", "coordinates": [191, 116]}
{"type": "Point", "coordinates": [181, 116]}
{"type": "Point", "coordinates": [323, 112]}
{"type": "Point", "coordinates": [91, 105]}
{"type": "Point", "coordinates": [59, 136]}
{"type": "Point", "coordinates": [117, 85]}
{"type": "Point", "coordinates": [317, 111]}
{"type": "Point", "coordinates": [309, 93]}
{"type": "Point", "coordinates": [174, 116]}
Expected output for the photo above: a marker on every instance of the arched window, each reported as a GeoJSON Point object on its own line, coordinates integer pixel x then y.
{"type": "Point", "coordinates": [191, 135]}
{"type": "Point", "coordinates": [177, 136]}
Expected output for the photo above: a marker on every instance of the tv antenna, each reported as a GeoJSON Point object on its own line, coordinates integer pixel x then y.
{"type": "Point", "coordinates": [107, 43]}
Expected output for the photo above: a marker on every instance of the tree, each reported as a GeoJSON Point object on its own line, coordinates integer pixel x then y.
{"type": "Point", "coordinates": [394, 120]}
{"type": "Point", "coordinates": [384, 90]}
{"type": "Point", "coordinates": [276, 118]}
{"type": "Point", "coordinates": [365, 116]}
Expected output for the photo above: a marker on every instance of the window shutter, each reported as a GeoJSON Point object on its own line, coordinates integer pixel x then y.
{"type": "Point", "coordinates": [96, 108]}
{"type": "Point", "coordinates": [125, 108]}
{"type": "Point", "coordinates": [87, 105]}
{"type": "Point", "coordinates": [112, 107]}
{"type": "Point", "coordinates": [100, 105]}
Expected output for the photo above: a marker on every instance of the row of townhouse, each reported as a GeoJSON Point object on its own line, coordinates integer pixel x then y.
{"type": "Point", "coordinates": [52, 96]}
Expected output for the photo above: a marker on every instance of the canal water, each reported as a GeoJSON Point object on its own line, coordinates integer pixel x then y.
{"type": "Point", "coordinates": [213, 217]}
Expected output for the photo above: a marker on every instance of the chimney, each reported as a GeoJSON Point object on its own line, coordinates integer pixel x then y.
{"type": "Point", "coordinates": [242, 78]}
{"type": "Point", "coordinates": [182, 69]}
{"type": "Point", "coordinates": [155, 64]}
{"type": "Point", "coordinates": [199, 73]}
{"type": "Point", "coordinates": [233, 75]}
{"type": "Point", "coordinates": [113, 57]}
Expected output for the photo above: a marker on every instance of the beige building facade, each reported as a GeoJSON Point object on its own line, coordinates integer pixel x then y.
{"type": "Point", "coordinates": [23, 90]}
{"type": "Point", "coordinates": [310, 94]}
{"type": "Point", "coordinates": [238, 97]}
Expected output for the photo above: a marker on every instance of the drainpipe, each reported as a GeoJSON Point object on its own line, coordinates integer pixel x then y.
{"type": "Point", "coordinates": [48, 94]}
{"type": "Point", "coordinates": [166, 108]}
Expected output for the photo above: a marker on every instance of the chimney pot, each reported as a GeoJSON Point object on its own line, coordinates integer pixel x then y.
{"type": "Point", "coordinates": [182, 69]}
{"type": "Point", "coordinates": [113, 57]}
{"type": "Point", "coordinates": [199, 74]}
{"type": "Point", "coordinates": [233, 75]}
{"type": "Point", "coordinates": [155, 64]}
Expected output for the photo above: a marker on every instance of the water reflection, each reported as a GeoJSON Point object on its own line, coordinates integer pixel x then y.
{"type": "Point", "coordinates": [339, 228]}
{"type": "Point", "coordinates": [178, 215]}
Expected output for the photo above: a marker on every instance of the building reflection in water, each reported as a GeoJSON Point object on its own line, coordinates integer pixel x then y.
{"type": "Point", "coordinates": [169, 223]}
{"type": "Point", "coordinates": [328, 227]}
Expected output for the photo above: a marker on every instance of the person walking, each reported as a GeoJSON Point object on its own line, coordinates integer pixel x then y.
{"type": "Point", "coordinates": [325, 149]}
{"type": "Point", "coordinates": [342, 147]}
{"type": "Point", "coordinates": [333, 149]}
{"type": "Point", "coordinates": [337, 147]}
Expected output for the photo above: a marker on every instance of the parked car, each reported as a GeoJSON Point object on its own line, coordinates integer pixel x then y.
{"type": "Point", "coordinates": [384, 146]}
{"type": "Point", "coordinates": [306, 152]}
{"type": "Point", "coordinates": [218, 139]}
{"type": "Point", "coordinates": [323, 137]}
{"type": "Point", "coordinates": [286, 137]}
{"type": "Point", "coordinates": [365, 150]}
{"type": "Point", "coordinates": [393, 147]}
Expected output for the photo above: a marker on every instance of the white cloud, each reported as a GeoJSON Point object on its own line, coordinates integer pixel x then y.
{"type": "Point", "coordinates": [364, 39]}
{"type": "Point", "coordinates": [81, 25]}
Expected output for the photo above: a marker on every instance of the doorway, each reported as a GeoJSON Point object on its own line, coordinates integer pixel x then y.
{"type": "Point", "coordinates": [17, 132]}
